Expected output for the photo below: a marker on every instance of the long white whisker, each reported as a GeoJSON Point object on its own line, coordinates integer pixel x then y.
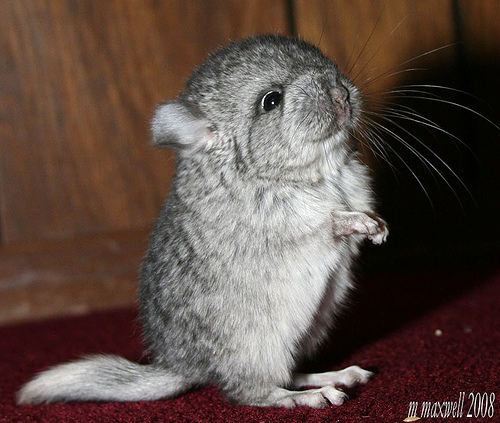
{"type": "Point", "coordinates": [428, 161]}
{"type": "Point", "coordinates": [369, 81]}
{"type": "Point", "coordinates": [451, 103]}
{"type": "Point", "coordinates": [378, 127]}
{"type": "Point", "coordinates": [385, 75]}
{"type": "Point", "coordinates": [443, 87]}
{"type": "Point", "coordinates": [402, 90]}
{"type": "Point", "coordinates": [379, 47]}
{"type": "Point", "coordinates": [371, 137]}
{"type": "Point", "coordinates": [422, 120]}
{"type": "Point", "coordinates": [378, 133]}
{"type": "Point", "coordinates": [404, 112]}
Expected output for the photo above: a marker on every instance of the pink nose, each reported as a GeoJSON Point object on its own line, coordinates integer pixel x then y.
{"type": "Point", "coordinates": [340, 100]}
{"type": "Point", "coordinates": [340, 95]}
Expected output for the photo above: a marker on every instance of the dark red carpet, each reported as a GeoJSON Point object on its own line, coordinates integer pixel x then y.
{"type": "Point", "coordinates": [429, 336]}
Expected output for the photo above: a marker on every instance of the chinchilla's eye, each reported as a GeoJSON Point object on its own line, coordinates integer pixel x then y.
{"type": "Point", "coordinates": [270, 100]}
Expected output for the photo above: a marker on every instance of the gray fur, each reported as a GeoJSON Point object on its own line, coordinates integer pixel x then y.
{"type": "Point", "coordinates": [251, 256]}
{"type": "Point", "coordinates": [102, 378]}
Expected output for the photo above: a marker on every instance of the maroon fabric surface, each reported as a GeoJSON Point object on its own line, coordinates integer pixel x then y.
{"type": "Point", "coordinates": [390, 328]}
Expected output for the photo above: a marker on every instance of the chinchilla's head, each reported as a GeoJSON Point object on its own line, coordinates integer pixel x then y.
{"type": "Point", "coordinates": [273, 106]}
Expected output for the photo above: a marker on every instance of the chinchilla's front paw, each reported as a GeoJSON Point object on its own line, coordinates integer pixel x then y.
{"type": "Point", "coordinates": [364, 223]}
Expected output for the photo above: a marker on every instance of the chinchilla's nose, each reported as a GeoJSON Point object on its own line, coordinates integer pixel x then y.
{"type": "Point", "coordinates": [340, 94]}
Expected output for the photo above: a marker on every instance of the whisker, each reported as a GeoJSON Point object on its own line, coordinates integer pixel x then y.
{"type": "Point", "coordinates": [369, 81]}
{"type": "Point", "coordinates": [352, 53]}
{"type": "Point", "coordinates": [421, 156]}
{"type": "Point", "coordinates": [379, 47]}
{"type": "Point", "coordinates": [434, 50]}
{"type": "Point", "coordinates": [379, 153]}
{"type": "Point", "coordinates": [367, 41]}
{"type": "Point", "coordinates": [443, 87]}
{"type": "Point", "coordinates": [379, 127]}
{"type": "Point", "coordinates": [422, 120]}
{"type": "Point", "coordinates": [417, 153]}
{"type": "Point", "coordinates": [451, 103]}
{"type": "Point", "coordinates": [379, 142]}
{"type": "Point", "coordinates": [379, 134]}
{"type": "Point", "coordinates": [402, 90]}
{"type": "Point", "coordinates": [385, 75]}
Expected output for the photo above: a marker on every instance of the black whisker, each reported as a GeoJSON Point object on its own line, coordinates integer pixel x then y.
{"type": "Point", "coordinates": [378, 49]}
{"type": "Point", "coordinates": [367, 41]}
{"type": "Point", "coordinates": [391, 71]}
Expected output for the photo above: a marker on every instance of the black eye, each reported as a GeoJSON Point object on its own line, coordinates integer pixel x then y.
{"type": "Point", "coordinates": [271, 100]}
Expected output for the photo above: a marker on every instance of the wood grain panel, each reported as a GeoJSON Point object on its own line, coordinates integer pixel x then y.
{"type": "Point", "coordinates": [481, 28]}
{"type": "Point", "coordinates": [78, 83]}
{"type": "Point", "coordinates": [41, 280]}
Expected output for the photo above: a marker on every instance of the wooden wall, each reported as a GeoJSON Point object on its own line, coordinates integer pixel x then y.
{"type": "Point", "coordinates": [80, 184]}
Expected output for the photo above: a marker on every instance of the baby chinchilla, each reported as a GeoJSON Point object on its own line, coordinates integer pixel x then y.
{"type": "Point", "coordinates": [251, 255]}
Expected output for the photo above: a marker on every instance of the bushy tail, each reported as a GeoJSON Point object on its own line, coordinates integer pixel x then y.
{"type": "Point", "coordinates": [102, 378]}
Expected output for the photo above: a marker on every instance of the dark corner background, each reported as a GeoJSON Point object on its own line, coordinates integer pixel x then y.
{"type": "Point", "coordinates": [80, 184]}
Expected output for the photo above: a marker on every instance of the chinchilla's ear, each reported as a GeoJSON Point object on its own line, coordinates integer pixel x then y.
{"type": "Point", "coordinates": [175, 126]}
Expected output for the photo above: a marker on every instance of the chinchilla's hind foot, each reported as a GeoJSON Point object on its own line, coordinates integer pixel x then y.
{"type": "Point", "coordinates": [347, 377]}
{"type": "Point", "coordinates": [315, 398]}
